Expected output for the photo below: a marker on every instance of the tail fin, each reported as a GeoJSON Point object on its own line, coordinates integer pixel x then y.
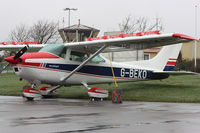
{"type": "Point", "coordinates": [165, 60]}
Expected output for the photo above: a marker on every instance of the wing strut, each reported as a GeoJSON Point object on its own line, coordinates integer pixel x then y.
{"type": "Point", "coordinates": [77, 69]}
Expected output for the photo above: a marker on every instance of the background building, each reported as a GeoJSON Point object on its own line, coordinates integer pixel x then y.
{"type": "Point", "coordinates": [187, 51]}
{"type": "Point", "coordinates": [76, 33]}
{"type": "Point", "coordinates": [150, 53]}
{"type": "Point", "coordinates": [125, 55]}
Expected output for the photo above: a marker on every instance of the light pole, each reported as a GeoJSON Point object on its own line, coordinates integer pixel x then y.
{"type": "Point", "coordinates": [69, 9]}
{"type": "Point", "coordinates": [195, 46]}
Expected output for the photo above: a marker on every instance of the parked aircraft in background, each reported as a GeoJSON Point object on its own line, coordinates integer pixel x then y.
{"type": "Point", "coordinates": [79, 63]}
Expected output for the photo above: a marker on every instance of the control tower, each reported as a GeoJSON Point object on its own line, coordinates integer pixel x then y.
{"type": "Point", "coordinates": [77, 33]}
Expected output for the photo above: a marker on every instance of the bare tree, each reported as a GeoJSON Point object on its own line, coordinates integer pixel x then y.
{"type": "Point", "coordinates": [44, 32]}
{"type": "Point", "coordinates": [19, 34]}
{"type": "Point", "coordinates": [139, 24]}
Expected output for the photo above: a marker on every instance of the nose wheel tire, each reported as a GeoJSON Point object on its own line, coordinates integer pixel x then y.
{"type": "Point", "coordinates": [29, 98]}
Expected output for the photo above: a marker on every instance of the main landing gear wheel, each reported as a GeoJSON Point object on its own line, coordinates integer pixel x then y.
{"type": "Point", "coordinates": [30, 93]}
{"type": "Point", "coordinates": [94, 99]}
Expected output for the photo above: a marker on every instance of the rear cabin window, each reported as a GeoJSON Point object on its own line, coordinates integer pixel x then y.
{"type": "Point", "coordinates": [56, 49]}
{"type": "Point", "coordinates": [80, 57]}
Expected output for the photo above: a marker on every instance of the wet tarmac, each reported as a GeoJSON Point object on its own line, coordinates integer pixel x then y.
{"type": "Point", "coordinates": [74, 116]}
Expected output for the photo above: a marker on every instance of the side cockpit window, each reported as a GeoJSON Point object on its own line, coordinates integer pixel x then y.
{"type": "Point", "coordinates": [63, 53]}
{"type": "Point", "coordinates": [80, 57]}
{"type": "Point", "coordinates": [77, 56]}
{"type": "Point", "coordinates": [97, 59]}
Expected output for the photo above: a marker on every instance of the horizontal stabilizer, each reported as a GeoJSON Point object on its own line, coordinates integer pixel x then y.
{"type": "Point", "coordinates": [177, 73]}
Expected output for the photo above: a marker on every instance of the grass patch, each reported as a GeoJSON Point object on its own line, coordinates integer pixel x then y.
{"type": "Point", "coordinates": [173, 89]}
{"type": "Point", "coordinates": [10, 84]}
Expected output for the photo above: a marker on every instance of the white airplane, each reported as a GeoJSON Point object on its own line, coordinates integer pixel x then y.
{"type": "Point", "coordinates": [79, 63]}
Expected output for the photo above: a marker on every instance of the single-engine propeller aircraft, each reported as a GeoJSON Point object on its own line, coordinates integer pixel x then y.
{"type": "Point", "coordinates": [79, 63]}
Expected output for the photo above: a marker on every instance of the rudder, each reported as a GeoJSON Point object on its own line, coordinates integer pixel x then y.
{"type": "Point", "coordinates": [165, 60]}
{"type": "Point", "coordinates": [167, 57]}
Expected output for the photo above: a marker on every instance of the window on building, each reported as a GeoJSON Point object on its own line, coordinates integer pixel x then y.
{"type": "Point", "coordinates": [146, 57]}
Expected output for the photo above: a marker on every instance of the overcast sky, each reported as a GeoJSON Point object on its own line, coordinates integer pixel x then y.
{"type": "Point", "coordinates": [105, 15]}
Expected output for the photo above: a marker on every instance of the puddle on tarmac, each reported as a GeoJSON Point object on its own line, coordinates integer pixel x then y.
{"type": "Point", "coordinates": [60, 118]}
{"type": "Point", "coordinates": [93, 128]}
{"type": "Point", "coordinates": [171, 121]}
{"type": "Point", "coordinates": [153, 110]}
{"type": "Point", "coordinates": [142, 123]}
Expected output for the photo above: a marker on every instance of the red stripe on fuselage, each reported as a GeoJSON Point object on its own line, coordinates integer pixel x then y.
{"type": "Point", "coordinates": [171, 63]}
{"type": "Point", "coordinates": [32, 64]}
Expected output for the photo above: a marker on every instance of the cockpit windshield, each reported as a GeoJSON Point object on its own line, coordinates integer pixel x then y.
{"type": "Point", "coordinates": [56, 49]}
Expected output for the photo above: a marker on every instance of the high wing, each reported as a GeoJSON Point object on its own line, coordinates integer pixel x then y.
{"type": "Point", "coordinates": [118, 44]}
{"type": "Point", "coordinates": [32, 47]}
{"type": "Point", "coordinates": [131, 43]}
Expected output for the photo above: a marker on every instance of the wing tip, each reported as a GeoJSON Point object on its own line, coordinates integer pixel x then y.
{"type": "Point", "coordinates": [182, 36]}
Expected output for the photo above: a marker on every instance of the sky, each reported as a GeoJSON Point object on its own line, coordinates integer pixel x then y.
{"type": "Point", "coordinates": [176, 15]}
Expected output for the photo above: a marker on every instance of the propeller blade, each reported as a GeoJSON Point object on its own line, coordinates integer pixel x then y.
{"type": "Point", "coordinates": [4, 67]}
{"type": "Point", "coordinates": [21, 52]}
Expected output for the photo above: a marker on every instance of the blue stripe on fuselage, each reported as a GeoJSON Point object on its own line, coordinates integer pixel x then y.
{"type": "Point", "coordinates": [169, 68]}
{"type": "Point", "coordinates": [104, 71]}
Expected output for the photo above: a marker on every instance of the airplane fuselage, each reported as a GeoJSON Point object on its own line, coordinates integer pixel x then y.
{"type": "Point", "coordinates": [50, 69]}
